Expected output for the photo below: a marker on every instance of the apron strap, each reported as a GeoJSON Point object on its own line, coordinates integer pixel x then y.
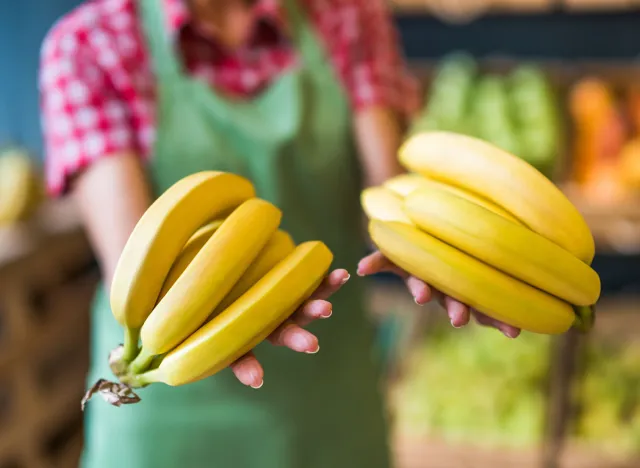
{"type": "Point", "coordinates": [304, 37]}
{"type": "Point", "coordinates": [165, 60]}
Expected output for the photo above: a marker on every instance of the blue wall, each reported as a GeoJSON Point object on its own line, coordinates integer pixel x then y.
{"type": "Point", "coordinates": [24, 23]}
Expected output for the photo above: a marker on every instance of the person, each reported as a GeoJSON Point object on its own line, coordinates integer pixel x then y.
{"type": "Point", "coordinates": [307, 99]}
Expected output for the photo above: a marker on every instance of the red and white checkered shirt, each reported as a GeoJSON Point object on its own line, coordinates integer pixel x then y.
{"type": "Point", "coordinates": [97, 86]}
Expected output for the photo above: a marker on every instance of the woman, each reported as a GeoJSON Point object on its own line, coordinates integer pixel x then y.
{"type": "Point", "coordinates": [306, 99]}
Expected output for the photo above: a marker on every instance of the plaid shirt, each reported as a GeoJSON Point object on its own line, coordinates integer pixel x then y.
{"type": "Point", "coordinates": [97, 86]}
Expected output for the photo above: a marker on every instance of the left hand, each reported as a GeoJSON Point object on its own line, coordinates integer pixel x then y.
{"type": "Point", "coordinates": [291, 333]}
{"type": "Point", "coordinates": [459, 314]}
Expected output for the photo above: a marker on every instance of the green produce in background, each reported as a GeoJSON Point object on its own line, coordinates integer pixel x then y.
{"type": "Point", "coordinates": [448, 96]}
{"type": "Point", "coordinates": [518, 113]}
{"type": "Point", "coordinates": [479, 388]}
{"type": "Point", "coordinates": [609, 396]}
{"type": "Point", "coordinates": [535, 111]}
{"type": "Point", "coordinates": [489, 117]}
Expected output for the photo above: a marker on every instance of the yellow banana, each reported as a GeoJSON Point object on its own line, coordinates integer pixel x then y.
{"type": "Point", "coordinates": [510, 182]}
{"type": "Point", "coordinates": [405, 184]}
{"type": "Point", "coordinates": [248, 321]}
{"type": "Point", "coordinates": [508, 247]}
{"type": "Point", "coordinates": [17, 186]}
{"type": "Point", "coordinates": [279, 247]}
{"type": "Point", "coordinates": [383, 204]}
{"type": "Point", "coordinates": [471, 281]}
{"type": "Point", "coordinates": [208, 278]}
{"type": "Point", "coordinates": [188, 253]}
{"type": "Point", "coordinates": [158, 238]}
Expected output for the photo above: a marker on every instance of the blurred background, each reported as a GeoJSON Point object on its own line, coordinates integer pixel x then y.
{"type": "Point", "coordinates": [468, 398]}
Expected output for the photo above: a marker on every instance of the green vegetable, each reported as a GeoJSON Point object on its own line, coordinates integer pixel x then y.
{"type": "Point", "coordinates": [449, 92]}
{"type": "Point", "coordinates": [534, 108]}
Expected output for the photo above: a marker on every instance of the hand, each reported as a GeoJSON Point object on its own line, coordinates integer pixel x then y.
{"type": "Point", "coordinates": [459, 314]}
{"type": "Point", "coordinates": [291, 333]}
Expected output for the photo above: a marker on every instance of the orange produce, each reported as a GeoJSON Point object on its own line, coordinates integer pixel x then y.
{"type": "Point", "coordinates": [600, 135]}
{"type": "Point", "coordinates": [633, 108]}
{"type": "Point", "coordinates": [630, 163]}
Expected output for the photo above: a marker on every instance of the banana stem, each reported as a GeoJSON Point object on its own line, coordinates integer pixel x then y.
{"type": "Point", "coordinates": [142, 362]}
{"type": "Point", "coordinates": [149, 377]}
{"type": "Point", "coordinates": [131, 337]}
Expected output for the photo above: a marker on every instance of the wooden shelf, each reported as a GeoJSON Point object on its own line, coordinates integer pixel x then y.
{"type": "Point", "coordinates": [461, 11]}
{"type": "Point", "coordinates": [414, 452]}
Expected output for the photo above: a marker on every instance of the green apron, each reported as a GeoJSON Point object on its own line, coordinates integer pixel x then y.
{"type": "Point", "coordinates": [294, 142]}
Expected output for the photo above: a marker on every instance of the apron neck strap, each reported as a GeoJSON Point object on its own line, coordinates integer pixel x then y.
{"type": "Point", "coordinates": [303, 37]}
{"type": "Point", "coordinates": [164, 58]}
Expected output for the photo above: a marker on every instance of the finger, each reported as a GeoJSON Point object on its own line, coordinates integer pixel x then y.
{"type": "Point", "coordinates": [458, 313]}
{"type": "Point", "coordinates": [248, 370]}
{"type": "Point", "coordinates": [377, 263]}
{"type": "Point", "coordinates": [331, 284]}
{"type": "Point", "coordinates": [311, 311]}
{"type": "Point", "coordinates": [420, 290]}
{"type": "Point", "coordinates": [508, 330]}
{"type": "Point", "coordinates": [296, 338]}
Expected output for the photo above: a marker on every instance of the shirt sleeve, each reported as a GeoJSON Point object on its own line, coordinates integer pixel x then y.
{"type": "Point", "coordinates": [375, 71]}
{"type": "Point", "coordinates": [82, 117]}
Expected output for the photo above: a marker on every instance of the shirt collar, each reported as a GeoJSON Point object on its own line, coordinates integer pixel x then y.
{"type": "Point", "coordinates": [178, 15]}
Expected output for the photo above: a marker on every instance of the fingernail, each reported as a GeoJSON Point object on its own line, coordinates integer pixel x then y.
{"type": "Point", "coordinates": [314, 352]}
{"type": "Point", "coordinates": [510, 334]}
{"type": "Point", "coordinates": [344, 281]}
{"type": "Point", "coordinates": [359, 272]}
{"type": "Point", "coordinates": [328, 315]}
{"type": "Point", "coordinates": [259, 386]}
{"type": "Point", "coordinates": [415, 299]}
{"type": "Point", "coordinates": [456, 326]}
{"type": "Point", "coordinates": [301, 341]}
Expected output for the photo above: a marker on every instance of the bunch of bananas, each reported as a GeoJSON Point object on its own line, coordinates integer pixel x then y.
{"type": "Point", "coordinates": [204, 277]}
{"type": "Point", "coordinates": [484, 227]}
{"type": "Point", "coordinates": [21, 189]}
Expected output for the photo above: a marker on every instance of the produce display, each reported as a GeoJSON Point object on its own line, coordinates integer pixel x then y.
{"type": "Point", "coordinates": [533, 273]}
{"type": "Point", "coordinates": [518, 112]}
{"type": "Point", "coordinates": [21, 190]}
{"type": "Point", "coordinates": [606, 140]}
{"type": "Point", "coordinates": [471, 386]}
{"type": "Point", "coordinates": [205, 276]}
{"type": "Point", "coordinates": [609, 416]}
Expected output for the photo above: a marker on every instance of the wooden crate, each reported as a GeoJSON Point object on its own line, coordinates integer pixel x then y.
{"type": "Point", "coordinates": [47, 280]}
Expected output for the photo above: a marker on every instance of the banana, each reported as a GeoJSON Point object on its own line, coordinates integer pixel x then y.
{"type": "Point", "coordinates": [510, 182]}
{"type": "Point", "coordinates": [508, 247]}
{"type": "Point", "coordinates": [471, 281]}
{"type": "Point", "coordinates": [208, 278]}
{"type": "Point", "coordinates": [17, 187]}
{"type": "Point", "coordinates": [404, 184]}
{"type": "Point", "coordinates": [158, 238]}
{"type": "Point", "coordinates": [188, 253]}
{"type": "Point", "coordinates": [279, 247]}
{"type": "Point", "coordinates": [383, 204]}
{"type": "Point", "coordinates": [248, 321]}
